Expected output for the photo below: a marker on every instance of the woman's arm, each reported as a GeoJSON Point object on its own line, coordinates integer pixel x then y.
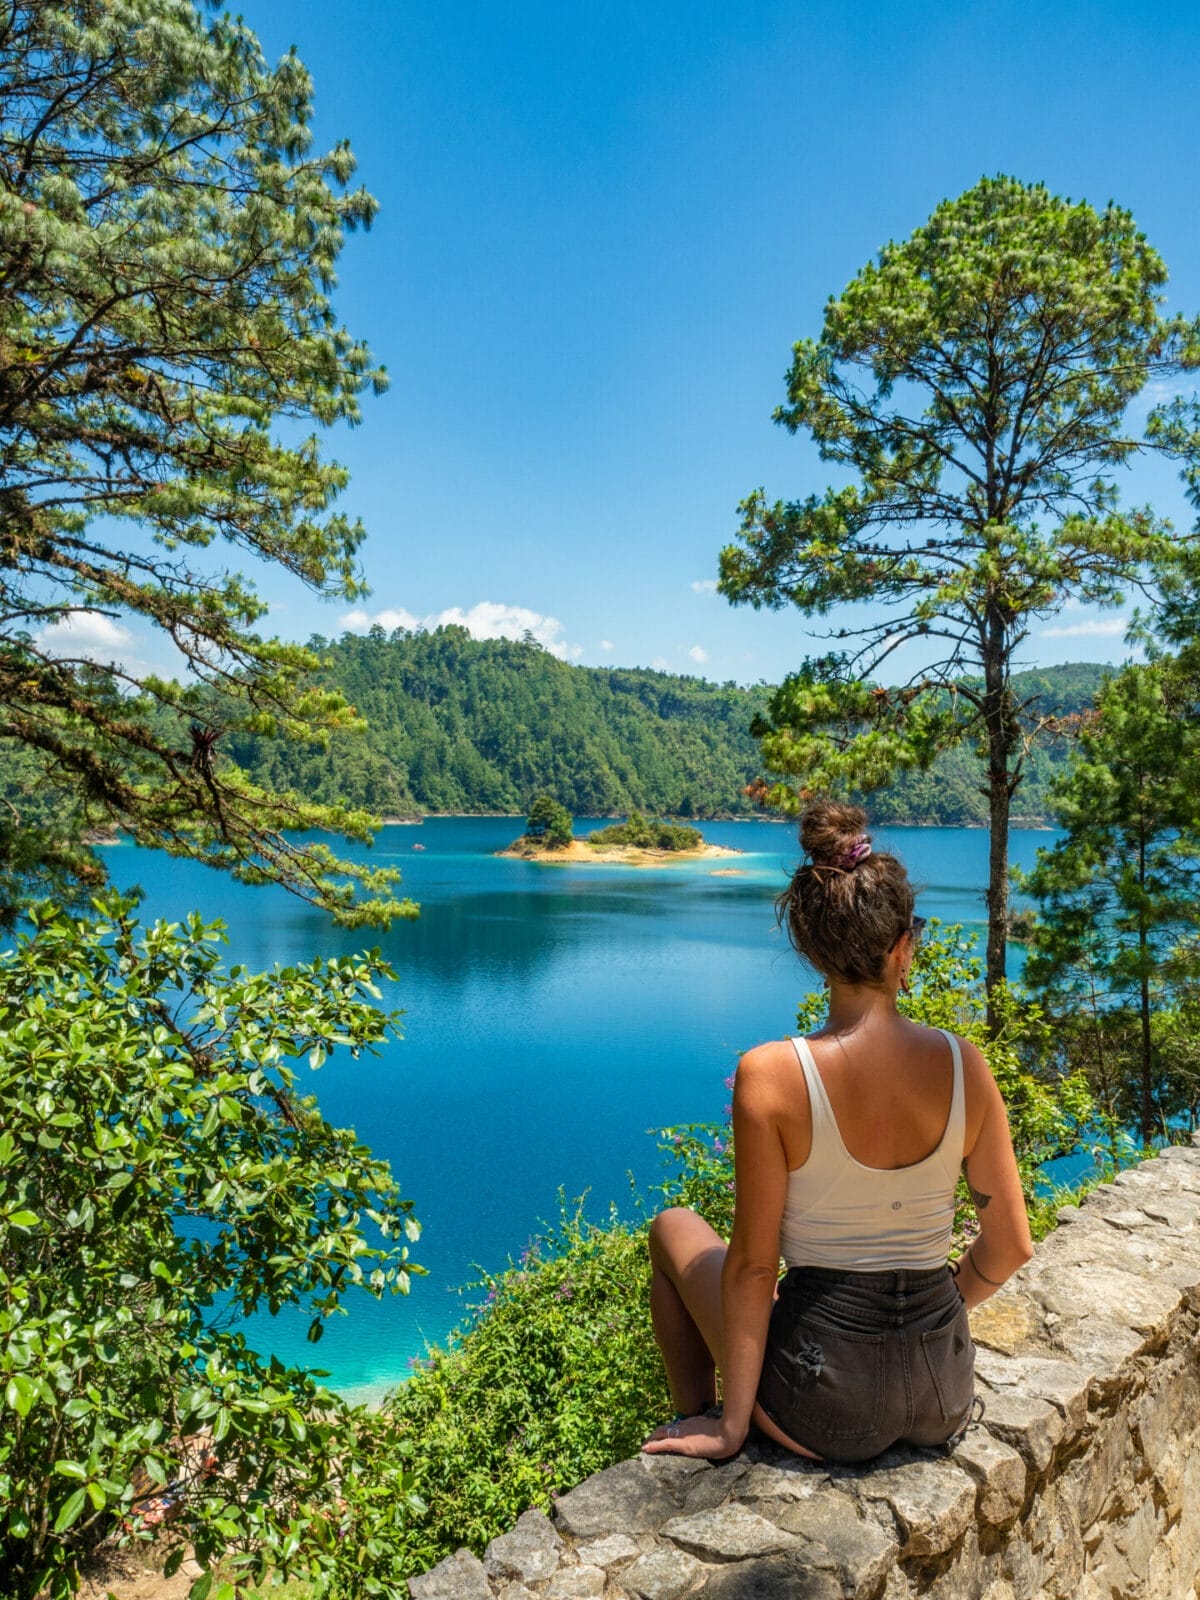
{"type": "Point", "coordinates": [1004, 1243]}
{"type": "Point", "coordinates": [751, 1267]}
{"type": "Point", "coordinates": [752, 1263]}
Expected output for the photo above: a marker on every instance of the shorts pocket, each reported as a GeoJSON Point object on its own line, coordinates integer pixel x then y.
{"type": "Point", "coordinates": [950, 1360]}
{"type": "Point", "coordinates": [838, 1381]}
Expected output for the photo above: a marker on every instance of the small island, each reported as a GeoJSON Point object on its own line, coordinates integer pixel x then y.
{"type": "Point", "coordinates": [549, 837]}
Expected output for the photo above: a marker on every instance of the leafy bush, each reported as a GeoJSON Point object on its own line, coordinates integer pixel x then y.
{"type": "Point", "coordinates": [648, 835]}
{"type": "Point", "coordinates": [556, 1377]}
{"type": "Point", "coordinates": [159, 1175]}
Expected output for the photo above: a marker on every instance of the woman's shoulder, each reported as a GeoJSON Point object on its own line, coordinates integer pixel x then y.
{"type": "Point", "coordinates": [766, 1069]}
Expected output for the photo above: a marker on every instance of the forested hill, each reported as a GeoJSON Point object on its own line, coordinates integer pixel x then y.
{"type": "Point", "coordinates": [457, 724]}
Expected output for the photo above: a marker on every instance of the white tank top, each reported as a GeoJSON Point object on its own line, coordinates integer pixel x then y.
{"type": "Point", "coordinates": [840, 1213]}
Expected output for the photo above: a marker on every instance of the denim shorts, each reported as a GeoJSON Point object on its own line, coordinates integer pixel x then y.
{"type": "Point", "coordinates": [859, 1361]}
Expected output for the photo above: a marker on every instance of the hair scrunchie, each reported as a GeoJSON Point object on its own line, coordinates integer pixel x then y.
{"type": "Point", "coordinates": [858, 851]}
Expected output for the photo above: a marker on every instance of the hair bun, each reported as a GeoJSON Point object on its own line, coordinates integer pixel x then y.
{"type": "Point", "coordinates": [829, 831]}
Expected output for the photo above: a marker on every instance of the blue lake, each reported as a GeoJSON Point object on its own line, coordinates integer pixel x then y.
{"type": "Point", "coordinates": [554, 1016]}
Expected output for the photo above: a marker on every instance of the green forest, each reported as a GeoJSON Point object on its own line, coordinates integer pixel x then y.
{"type": "Point", "coordinates": [456, 724]}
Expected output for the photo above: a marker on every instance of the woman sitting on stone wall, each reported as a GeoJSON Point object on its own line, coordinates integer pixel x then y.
{"type": "Point", "coordinates": [848, 1147]}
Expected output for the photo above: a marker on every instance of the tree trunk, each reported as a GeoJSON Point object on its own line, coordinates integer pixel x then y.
{"type": "Point", "coordinates": [1147, 1115]}
{"type": "Point", "coordinates": [1001, 734]}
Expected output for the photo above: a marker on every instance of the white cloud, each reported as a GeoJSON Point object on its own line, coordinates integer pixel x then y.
{"type": "Point", "coordinates": [704, 585]}
{"type": "Point", "coordinates": [488, 619]}
{"type": "Point", "coordinates": [85, 633]}
{"type": "Point", "coordinates": [1096, 628]}
{"type": "Point", "coordinates": [698, 654]}
{"type": "Point", "coordinates": [606, 645]}
{"type": "Point", "coordinates": [394, 617]}
{"type": "Point", "coordinates": [1160, 392]}
{"type": "Point", "coordinates": [661, 664]}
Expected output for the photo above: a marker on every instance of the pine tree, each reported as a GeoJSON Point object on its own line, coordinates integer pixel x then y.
{"type": "Point", "coordinates": [167, 244]}
{"type": "Point", "coordinates": [974, 382]}
{"type": "Point", "coordinates": [1118, 923]}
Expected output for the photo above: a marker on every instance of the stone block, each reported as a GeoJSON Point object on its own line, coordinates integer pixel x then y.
{"type": "Point", "coordinates": [621, 1499]}
{"type": "Point", "coordinates": [933, 1502]}
{"type": "Point", "coordinates": [1128, 1220]}
{"type": "Point", "coordinates": [708, 1489]}
{"type": "Point", "coordinates": [1136, 1538]}
{"type": "Point", "coordinates": [1033, 1427]}
{"type": "Point", "coordinates": [998, 1471]}
{"type": "Point", "coordinates": [729, 1533]}
{"type": "Point", "coordinates": [772, 1578]}
{"type": "Point", "coordinates": [795, 1480]}
{"type": "Point", "coordinates": [675, 1473]}
{"type": "Point", "coordinates": [529, 1553]}
{"type": "Point", "coordinates": [1091, 1481]}
{"type": "Point", "coordinates": [1106, 1289]}
{"type": "Point", "coordinates": [609, 1552]}
{"type": "Point", "coordinates": [1062, 1383]}
{"type": "Point", "coordinates": [858, 1549]}
{"type": "Point", "coordinates": [458, 1577]}
{"type": "Point", "coordinates": [1008, 1322]}
{"type": "Point", "coordinates": [664, 1573]}
{"type": "Point", "coordinates": [1101, 1346]}
{"type": "Point", "coordinates": [577, 1583]}
{"type": "Point", "coordinates": [1166, 1409]}
{"type": "Point", "coordinates": [1179, 1215]}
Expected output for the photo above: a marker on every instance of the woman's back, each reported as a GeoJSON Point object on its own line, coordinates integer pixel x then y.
{"type": "Point", "coordinates": [889, 1088]}
{"type": "Point", "coordinates": [841, 1210]}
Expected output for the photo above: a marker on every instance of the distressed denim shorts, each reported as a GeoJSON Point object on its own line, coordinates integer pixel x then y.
{"type": "Point", "coordinates": [859, 1361]}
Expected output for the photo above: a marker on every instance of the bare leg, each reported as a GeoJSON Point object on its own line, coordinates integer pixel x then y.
{"type": "Point", "coordinates": [685, 1304]}
{"type": "Point", "coordinates": [687, 1257]}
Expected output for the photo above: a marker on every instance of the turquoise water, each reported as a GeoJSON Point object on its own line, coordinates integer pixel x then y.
{"type": "Point", "coordinates": [554, 1015]}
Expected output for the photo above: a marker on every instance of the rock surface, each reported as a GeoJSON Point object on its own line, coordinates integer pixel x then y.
{"type": "Point", "coordinates": [1081, 1481]}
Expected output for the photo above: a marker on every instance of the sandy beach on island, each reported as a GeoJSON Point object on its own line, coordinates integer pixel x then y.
{"type": "Point", "coordinates": [625, 855]}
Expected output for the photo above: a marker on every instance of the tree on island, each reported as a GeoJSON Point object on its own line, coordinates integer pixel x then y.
{"type": "Point", "coordinates": [975, 383]}
{"type": "Point", "coordinates": [168, 242]}
{"type": "Point", "coordinates": [549, 823]}
{"type": "Point", "coordinates": [1116, 931]}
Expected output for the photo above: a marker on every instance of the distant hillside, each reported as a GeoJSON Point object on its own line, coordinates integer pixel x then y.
{"type": "Point", "coordinates": [458, 725]}
{"type": "Point", "coordinates": [462, 725]}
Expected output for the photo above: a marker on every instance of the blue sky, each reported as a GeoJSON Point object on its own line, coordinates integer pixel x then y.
{"type": "Point", "coordinates": [601, 229]}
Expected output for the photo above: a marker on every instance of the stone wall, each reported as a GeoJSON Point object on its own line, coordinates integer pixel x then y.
{"type": "Point", "coordinates": [1082, 1480]}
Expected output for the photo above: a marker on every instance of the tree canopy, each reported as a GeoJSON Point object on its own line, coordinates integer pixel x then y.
{"type": "Point", "coordinates": [1116, 929]}
{"type": "Point", "coordinates": [973, 384]}
{"type": "Point", "coordinates": [549, 822]}
{"type": "Point", "coordinates": [168, 241]}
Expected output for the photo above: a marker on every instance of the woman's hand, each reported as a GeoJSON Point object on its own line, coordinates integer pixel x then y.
{"type": "Point", "coordinates": [706, 1437]}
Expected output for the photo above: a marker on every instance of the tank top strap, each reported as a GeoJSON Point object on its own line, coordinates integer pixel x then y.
{"type": "Point", "coordinates": [953, 1139]}
{"type": "Point", "coordinates": [823, 1120]}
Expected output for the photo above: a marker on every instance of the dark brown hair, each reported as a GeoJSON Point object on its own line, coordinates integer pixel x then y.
{"type": "Point", "coordinates": [847, 904]}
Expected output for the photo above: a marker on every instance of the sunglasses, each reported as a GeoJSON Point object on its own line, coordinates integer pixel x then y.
{"type": "Point", "coordinates": [917, 928]}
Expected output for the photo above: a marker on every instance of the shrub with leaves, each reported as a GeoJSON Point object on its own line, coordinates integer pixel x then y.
{"type": "Point", "coordinates": [160, 1178]}
{"type": "Point", "coordinates": [556, 1377]}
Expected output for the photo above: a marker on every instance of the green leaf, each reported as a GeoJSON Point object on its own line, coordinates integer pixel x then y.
{"type": "Point", "coordinates": [69, 1511]}
{"type": "Point", "coordinates": [20, 1393]}
{"type": "Point", "coordinates": [23, 1219]}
